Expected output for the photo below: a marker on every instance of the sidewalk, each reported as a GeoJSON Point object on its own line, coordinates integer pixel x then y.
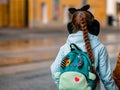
{"type": "Point", "coordinates": [110, 27]}
{"type": "Point", "coordinates": [18, 47]}
{"type": "Point", "coordinates": [45, 29]}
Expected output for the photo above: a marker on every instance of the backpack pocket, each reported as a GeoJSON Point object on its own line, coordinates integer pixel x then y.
{"type": "Point", "coordinates": [73, 81]}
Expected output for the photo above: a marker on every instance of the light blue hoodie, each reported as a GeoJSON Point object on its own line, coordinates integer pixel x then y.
{"type": "Point", "coordinates": [102, 61]}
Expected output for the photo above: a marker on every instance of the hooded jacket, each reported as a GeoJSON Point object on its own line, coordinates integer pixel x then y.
{"type": "Point", "coordinates": [102, 61]}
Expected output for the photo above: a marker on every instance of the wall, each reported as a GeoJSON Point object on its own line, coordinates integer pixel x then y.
{"type": "Point", "coordinates": [17, 13]}
{"type": "Point", "coordinates": [65, 4]}
{"type": "Point", "coordinates": [35, 12]}
{"type": "Point", "coordinates": [3, 14]}
{"type": "Point", "coordinates": [98, 8]}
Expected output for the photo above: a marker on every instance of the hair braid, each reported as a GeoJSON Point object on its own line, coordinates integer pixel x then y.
{"type": "Point", "coordinates": [80, 21]}
{"type": "Point", "coordinates": [83, 25]}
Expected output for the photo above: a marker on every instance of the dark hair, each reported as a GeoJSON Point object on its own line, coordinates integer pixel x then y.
{"type": "Point", "coordinates": [70, 27]}
{"type": "Point", "coordinates": [93, 26]}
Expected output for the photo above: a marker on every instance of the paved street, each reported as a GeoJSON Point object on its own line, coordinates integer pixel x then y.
{"type": "Point", "coordinates": [34, 80]}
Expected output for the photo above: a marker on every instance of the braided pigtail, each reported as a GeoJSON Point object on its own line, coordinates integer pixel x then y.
{"type": "Point", "coordinates": [83, 25]}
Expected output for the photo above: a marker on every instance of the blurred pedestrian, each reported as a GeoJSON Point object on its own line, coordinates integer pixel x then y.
{"type": "Point", "coordinates": [87, 40]}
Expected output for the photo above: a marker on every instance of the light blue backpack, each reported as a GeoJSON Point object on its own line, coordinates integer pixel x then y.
{"type": "Point", "coordinates": [76, 71]}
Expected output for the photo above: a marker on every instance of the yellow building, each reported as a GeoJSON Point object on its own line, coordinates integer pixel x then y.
{"type": "Point", "coordinates": [64, 5]}
{"type": "Point", "coordinates": [40, 11]}
{"type": "Point", "coordinates": [13, 13]}
{"type": "Point", "coordinates": [98, 8]}
{"type": "Point", "coordinates": [33, 13]}
{"type": "Point", "coordinates": [17, 13]}
{"type": "Point", "coordinates": [45, 11]}
{"type": "Point", "coordinates": [3, 13]}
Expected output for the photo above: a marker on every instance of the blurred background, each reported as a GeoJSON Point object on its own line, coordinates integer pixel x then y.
{"type": "Point", "coordinates": [32, 31]}
{"type": "Point", "coordinates": [36, 13]}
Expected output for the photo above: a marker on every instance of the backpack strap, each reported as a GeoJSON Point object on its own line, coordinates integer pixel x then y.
{"type": "Point", "coordinates": [74, 47]}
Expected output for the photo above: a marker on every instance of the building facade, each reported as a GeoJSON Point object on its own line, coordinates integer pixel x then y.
{"type": "Point", "coordinates": [13, 13]}
{"type": "Point", "coordinates": [98, 8]}
{"type": "Point", "coordinates": [18, 13]}
{"type": "Point", "coordinates": [33, 13]}
{"type": "Point", "coordinates": [40, 11]}
{"type": "Point", "coordinates": [3, 13]}
{"type": "Point", "coordinates": [64, 5]}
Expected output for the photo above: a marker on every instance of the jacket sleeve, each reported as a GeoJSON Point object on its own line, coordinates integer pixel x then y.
{"type": "Point", "coordinates": [55, 67]}
{"type": "Point", "coordinates": [105, 70]}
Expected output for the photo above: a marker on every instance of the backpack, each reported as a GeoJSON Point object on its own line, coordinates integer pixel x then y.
{"type": "Point", "coordinates": [76, 71]}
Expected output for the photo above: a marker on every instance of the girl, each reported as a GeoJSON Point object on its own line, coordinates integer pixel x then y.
{"type": "Point", "coordinates": [89, 43]}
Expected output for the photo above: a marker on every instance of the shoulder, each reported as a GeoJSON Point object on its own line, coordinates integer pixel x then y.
{"type": "Point", "coordinates": [100, 47]}
{"type": "Point", "coordinates": [65, 48]}
{"type": "Point", "coordinates": [102, 50]}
